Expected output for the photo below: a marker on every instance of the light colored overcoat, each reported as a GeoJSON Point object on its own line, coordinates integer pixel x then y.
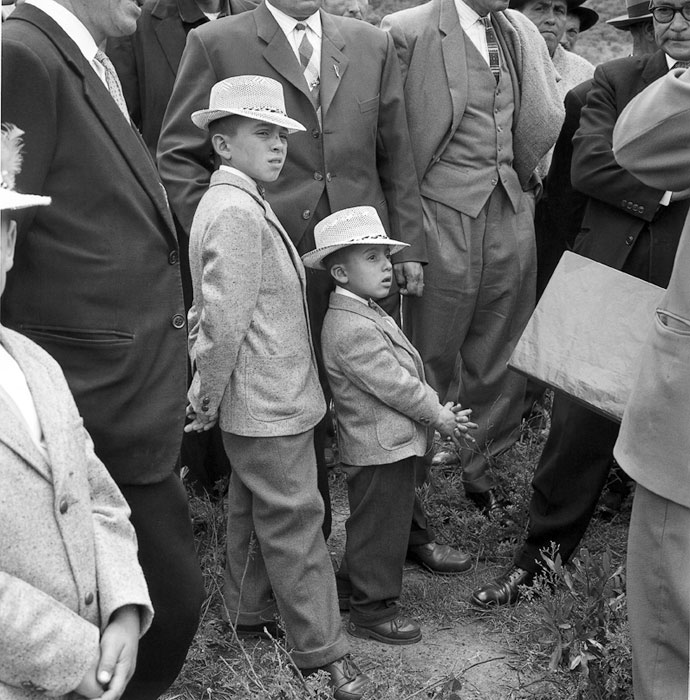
{"type": "Point", "coordinates": [652, 141]}
{"type": "Point", "coordinates": [384, 406]}
{"type": "Point", "coordinates": [249, 337]}
{"type": "Point", "coordinates": [68, 558]}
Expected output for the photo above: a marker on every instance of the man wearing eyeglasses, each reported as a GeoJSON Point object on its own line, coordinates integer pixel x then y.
{"type": "Point", "coordinates": [634, 228]}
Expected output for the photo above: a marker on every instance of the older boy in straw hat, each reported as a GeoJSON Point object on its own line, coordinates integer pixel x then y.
{"type": "Point", "coordinates": [385, 410]}
{"type": "Point", "coordinates": [73, 600]}
{"type": "Point", "coordinates": [256, 374]}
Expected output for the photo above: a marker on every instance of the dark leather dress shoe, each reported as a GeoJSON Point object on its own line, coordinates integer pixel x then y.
{"type": "Point", "coordinates": [400, 630]}
{"type": "Point", "coordinates": [489, 503]}
{"type": "Point", "coordinates": [440, 558]}
{"type": "Point", "coordinates": [347, 681]}
{"type": "Point", "coordinates": [504, 590]}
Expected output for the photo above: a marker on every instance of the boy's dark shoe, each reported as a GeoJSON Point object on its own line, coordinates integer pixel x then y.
{"type": "Point", "coordinates": [503, 590]}
{"type": "Point", "coordinates": [400, 630]}
{"type": "Point", "coordinates": [440, 558]}
{"type": "Point", "coordinates": [347, 681]}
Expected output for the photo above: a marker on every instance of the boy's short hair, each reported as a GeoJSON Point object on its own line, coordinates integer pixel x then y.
{"type": "Point", "coordinates": [227, 126]}
{"type": "Point", "coordinates": [337, 257]}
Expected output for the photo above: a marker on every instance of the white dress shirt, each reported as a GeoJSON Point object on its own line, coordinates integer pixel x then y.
{"type": "Point", "coordinates": [472, 25]}
{"type": "Point", "coordinates": [287, 25]}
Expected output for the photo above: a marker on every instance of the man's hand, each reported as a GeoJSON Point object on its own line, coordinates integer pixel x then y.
{"type": "Point", "coordinates": [681, 194]}
{"type": "Point", "coordinates": [410, 278]}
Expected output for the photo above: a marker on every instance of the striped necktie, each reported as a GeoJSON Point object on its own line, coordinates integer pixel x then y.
{"type": "Point", "coordinates": [308, 62]}
{"type": "Point", "coordinates": [492, 44]}
{"type": "Point", "coordinates": [113, 83]}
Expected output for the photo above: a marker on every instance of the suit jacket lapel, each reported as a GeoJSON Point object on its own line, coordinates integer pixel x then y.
{"type": "Point", "coordinates": [656, 67]}
{"type": "Point", "coordinates": [171, 36]}
{"type": "Point", "coordinates": [334, 62]}
{"type": "Point", "coordinates": [455, 59]}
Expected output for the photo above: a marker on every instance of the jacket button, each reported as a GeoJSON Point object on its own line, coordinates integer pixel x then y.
{"type": "Point", "coordinates": [629, 240]}
{"type": "Point", "coordinates": [318, 175]}
{"type": "Point", "coordinates": [88, 599]}
{"type": "Point", "coordinates": [624, 202]}
{"type": "Point", "coordinates": [306, 214]}
{"type": "Point", "coordinates": [315, 133]}
{"type": "Point", "coordinates": [494, 181]}
{"type": "Point", "coordinates": [178, 321]}
{"type": "Point", "coordinates": [173, 257]}
{"type": "Point", "coordinates": [329, 177]}
{"type": "Point", "coordinates": [63, 506]}
{"type": "Point", "coordinates": [641, 209]}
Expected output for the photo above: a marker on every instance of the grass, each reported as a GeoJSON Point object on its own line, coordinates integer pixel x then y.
{"type": "Point", "coordinates": [569, 641]}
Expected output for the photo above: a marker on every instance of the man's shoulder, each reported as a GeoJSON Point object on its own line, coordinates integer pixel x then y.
{"type": "Point", "coordinates": [242, 25]}
{"type": "Point", "coordinates": [413, 18]}
{"type": "Point", "coordinates": [623, 69]}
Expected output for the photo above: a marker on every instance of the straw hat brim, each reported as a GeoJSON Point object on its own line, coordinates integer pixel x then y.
{"type": "Point", "coordinates": [314, 258]}
{"type": "Point", "coordinates": [623, 21]}
{"type": "Point", "coordinates": [9, 199]}
{"type": "Point", "coordinates": [203, 117]}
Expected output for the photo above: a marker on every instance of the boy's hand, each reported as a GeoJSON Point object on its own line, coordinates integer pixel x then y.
{"type": "Point", "coordinates": [445, 422]}
{"type": "Point", "coordinates": [463, 423]}
{"type": "Point", "coordinates": [119, 645]}
{"type": "Point", "coordinates": [89, 686]}
{"type": "Point", "coordinates": [200, 421]}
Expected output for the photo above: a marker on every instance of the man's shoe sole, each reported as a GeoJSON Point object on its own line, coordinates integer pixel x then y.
{"type": "Point", "coordinates": [366, 633]}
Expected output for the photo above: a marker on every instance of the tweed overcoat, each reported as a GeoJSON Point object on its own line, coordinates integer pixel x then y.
{"type": "Point", "coordinates": [96, 279]}
{"type": "Point", "coordinates": [383, 404]}
{"type": "Point", "coordinates": [69, 554]}
{"type": "Point", "coordinates": [249, 328]}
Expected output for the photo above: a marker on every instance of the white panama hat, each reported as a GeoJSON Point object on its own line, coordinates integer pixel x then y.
{"type": "Point", "coordinates": [252, 96]}
{"type": "Point", "coordinates": [10, 165]}
{"type": "Point", "coordinates": [353, 226]}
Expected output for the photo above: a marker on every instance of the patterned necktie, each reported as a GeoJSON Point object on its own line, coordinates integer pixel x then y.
{"type": "Point", "coordinates": [681, 64]}
{"type": "Point", "coordinates": [308, 62]}
{"type": "Point", "coordinates": [113, 83]}
{"type": "Point", "coordinates": [492, 44]}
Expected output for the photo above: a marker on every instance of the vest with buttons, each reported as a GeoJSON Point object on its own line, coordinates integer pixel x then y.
{"type": "Point", "coordinates": [480, 153]}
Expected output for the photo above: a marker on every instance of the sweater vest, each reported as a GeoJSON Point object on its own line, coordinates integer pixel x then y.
{"type": "Point", "coordinates": [479, 155]}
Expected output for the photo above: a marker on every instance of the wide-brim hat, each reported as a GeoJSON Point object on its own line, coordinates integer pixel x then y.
{"type": "Point", "coordinates": [638, 11]}
{"type": "Point", "coordinates": [353, 226]}
{"type": "Point", "coordinates": [588, 16]}
{"type": "Point", "coordinates": [10, 166]}
{"type": "Point", "coordinates": [252, 96]}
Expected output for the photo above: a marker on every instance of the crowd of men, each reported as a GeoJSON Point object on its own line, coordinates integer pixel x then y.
{"type": "Point", "coordinates": [471, 126]}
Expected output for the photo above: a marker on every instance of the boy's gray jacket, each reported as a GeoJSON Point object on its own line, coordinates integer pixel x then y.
{"type": "Point", "coordinates": [249, 328]}
{"type": "Point", "coordinates": [383, 404]}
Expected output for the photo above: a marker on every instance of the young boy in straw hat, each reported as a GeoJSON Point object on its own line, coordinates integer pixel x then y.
{"type": "Point", "coordinates": [385, 412]}
{"type": "Point", "coordinates": [256, 374]}
{"type": "Point", "coordinates": [73, 600]}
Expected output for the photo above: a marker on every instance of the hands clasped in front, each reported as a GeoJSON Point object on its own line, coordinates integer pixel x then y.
{"type": "Point", "coordinates": [453, 422]}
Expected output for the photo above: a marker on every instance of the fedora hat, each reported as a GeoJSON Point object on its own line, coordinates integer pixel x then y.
{"type": "Point", "coordinates": [252, 96]}
{"type": "Point", "coordinates": [588, 17]}
{"type": "Point", "coordinates": [353, 226]}
{"type": "Point", "coordinates": [638, 11]}
{"type": "Point", "coordinates": [10, 165]}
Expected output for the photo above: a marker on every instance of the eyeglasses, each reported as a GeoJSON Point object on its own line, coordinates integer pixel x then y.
{"type": "Point", "coordinates": [665, 14]}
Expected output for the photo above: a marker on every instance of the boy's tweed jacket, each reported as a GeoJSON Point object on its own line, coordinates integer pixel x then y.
{"type": "Point", "coordinates": [69, 555]}
{"type": "Point", "coordinates": [249, 336]}
{"type": "Point", "coordinates": [384, 406]}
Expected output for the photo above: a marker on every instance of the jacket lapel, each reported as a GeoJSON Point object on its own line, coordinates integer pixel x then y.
{"type": "Point", "coordinates": [454, 59]}
{"type": "Point", "coordinates": [171, 37]}
{"type": "Point", "coordinates": [656, 67]}
{"type": "Point", "coordinates": [334, 62]}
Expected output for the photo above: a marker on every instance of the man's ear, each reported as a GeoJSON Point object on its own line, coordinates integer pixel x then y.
{"type": "Point", "coordinates": [339, 273]}
{"type": "Point", "coordinates": [221, 146]}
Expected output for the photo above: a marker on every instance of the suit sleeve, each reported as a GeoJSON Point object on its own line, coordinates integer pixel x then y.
{"type": "Point", "coordinates": [395, 164]}
{"type": "Point", "coordinates": [369, 363]}
{"type": "Point", "coordinates": [230, 282]}
{"type": "Point", "coordinates": [652, 136]}
{"type": "Point", "coordinates": [185, 155]}
{"type": "Point", "coordinates": [595, 171]}
{"type": "Point", "coordinates": [400, 42]}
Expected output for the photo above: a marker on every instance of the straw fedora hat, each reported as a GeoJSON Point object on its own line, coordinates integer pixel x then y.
{"type": "Point", "coordinates": [638, 11]}
{"type": "Point", "coordinates": [353, 226]}
{"type": "Point", "coordinates": [10, 165]}
{"type": "Point", "coordinates": [252, 96]}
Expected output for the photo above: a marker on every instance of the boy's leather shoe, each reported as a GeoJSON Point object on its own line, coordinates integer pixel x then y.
{"type": "Point", "coordinates": [347, 681]}
{"type": "Point", "coordinates": [503, 590]}
{"type": "Point", "coordinates": [400, 630]}
{"type": "Point", "coordinates": [440, 558]}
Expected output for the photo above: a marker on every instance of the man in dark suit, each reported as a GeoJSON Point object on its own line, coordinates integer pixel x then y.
{"type": "Point", "coordinates": [631, 227]}
{"type": "Point", "coordinates": [97, 285]}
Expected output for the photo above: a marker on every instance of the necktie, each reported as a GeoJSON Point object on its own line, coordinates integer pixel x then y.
{"type": "Point", "coordinates": [308, 62]}
{"type": "Point", "coordinates": [681, 64]}
{"type": "Point", "coordinates": [113, 83]}
{"type": "Point", "coordinates": [492, 44]}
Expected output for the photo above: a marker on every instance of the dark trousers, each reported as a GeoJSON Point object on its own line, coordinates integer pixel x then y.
{"type": "Point", "coordinates": [160, 516]}
{"type": "Point", "coordinates": [381, 501]}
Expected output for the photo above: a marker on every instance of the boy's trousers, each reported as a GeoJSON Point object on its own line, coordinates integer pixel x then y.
{"type": "Point", "coordinates": [378, 529]}
{"type": "Point", "coordinates": [273, 494]}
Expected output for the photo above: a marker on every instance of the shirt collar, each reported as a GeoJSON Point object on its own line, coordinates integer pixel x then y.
{"type": "Point", "coordinates": [466, 14]}
{"type": "Point", "coordinates": [287, 23]}
{"type": "Point", "coordinates": [670, 62]}
{"type": "Point", "coordinates": [190, 12]}
{"type": "Point", "coordinates": [70, 24]}
{"type": "Point", "coordinates": [352, 295]}
{"type": "Point", "coordinates": [235, 171]}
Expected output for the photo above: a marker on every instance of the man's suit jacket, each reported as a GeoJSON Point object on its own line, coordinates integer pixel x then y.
{"type": "Point", "coordinates": [147, 61]}
{"type": "Point", "coordinates": [250, 338]}
{"type": "Point", "coordinates": [431, 49]}
{"type": "Point", "coordinates": [96, 280]}
{"type": "Point", "coordinates": [652, 140]}
{"type": "Point", "coordinates": [383, 404]}
{"type": "Point", "coordinates": [620, 206]}
{"type": "Point", "coordinates": [69, 554]}
{"type": "Point", "coordinates": [362, 153]}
